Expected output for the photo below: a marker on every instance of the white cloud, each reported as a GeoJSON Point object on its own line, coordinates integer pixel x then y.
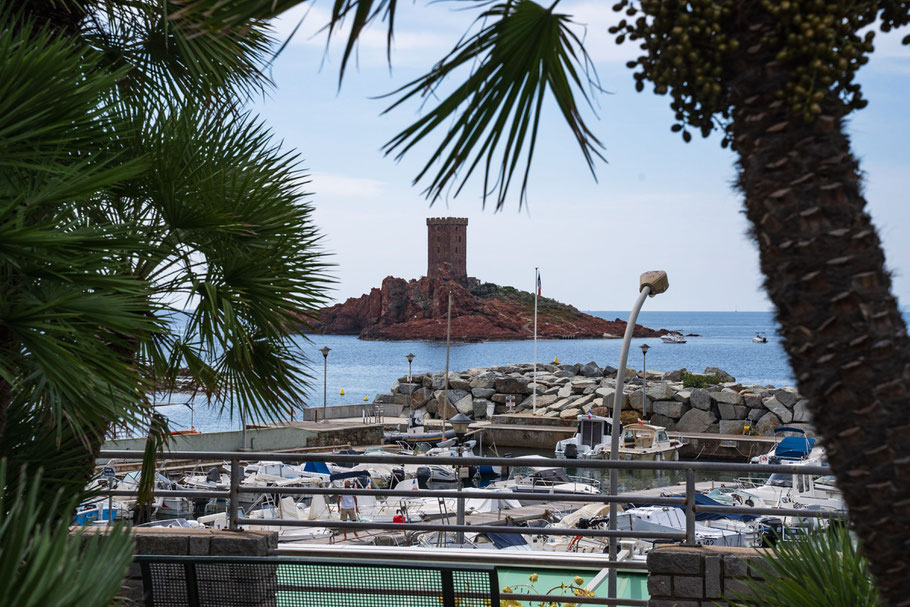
{"type": "Point", "coordinates": [333, 184]}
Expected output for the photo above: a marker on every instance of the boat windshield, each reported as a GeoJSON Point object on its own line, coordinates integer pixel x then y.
{"type": "Point", "coordinates": [550, 476]}
{"type": "Point", "coordinates": [780, 480]}
{"type": "Point", "coordinates": [662, 436]}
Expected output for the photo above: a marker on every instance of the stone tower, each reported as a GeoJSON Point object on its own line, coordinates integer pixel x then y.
{"type": "Point", "coordinates": [447, 242]}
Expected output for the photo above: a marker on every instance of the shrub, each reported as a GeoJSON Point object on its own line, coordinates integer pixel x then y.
{"type": "Point", "coordinates": [696, 380]}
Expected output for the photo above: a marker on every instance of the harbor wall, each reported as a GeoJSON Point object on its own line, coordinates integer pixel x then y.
{"type": "Point", "coordinates": [711, 401]}
{"type": "Point", "coordinates": [273, 438]}
{"type": "Point", "coordinates": [699, 576]}
{"type": "Point", "coordinates": [312, 414]}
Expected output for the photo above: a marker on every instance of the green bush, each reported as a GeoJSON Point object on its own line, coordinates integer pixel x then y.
{"type": "Point", "coordinates": [694, 380]}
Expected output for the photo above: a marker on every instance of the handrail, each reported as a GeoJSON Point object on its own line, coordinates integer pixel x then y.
{"type": "Point", "coordinates": [236, 488]}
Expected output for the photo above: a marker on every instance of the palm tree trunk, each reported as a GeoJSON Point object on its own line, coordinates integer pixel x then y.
{"type": "Point", "coordinates": [825, 273]}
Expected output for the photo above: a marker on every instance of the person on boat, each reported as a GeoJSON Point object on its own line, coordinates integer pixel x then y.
{"type": "Point", "coordinates": [347, 509]}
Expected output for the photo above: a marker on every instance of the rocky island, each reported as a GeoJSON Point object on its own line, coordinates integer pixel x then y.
{"type": "Point", "coordinates": [416, 309]}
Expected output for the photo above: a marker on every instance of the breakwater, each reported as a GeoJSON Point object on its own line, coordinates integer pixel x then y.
{"type": "Point", "coordinates": [709, 401]}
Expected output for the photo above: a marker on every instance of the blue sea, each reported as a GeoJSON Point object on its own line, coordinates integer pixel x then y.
{"type": "Point", "coordinates": [364, 368]}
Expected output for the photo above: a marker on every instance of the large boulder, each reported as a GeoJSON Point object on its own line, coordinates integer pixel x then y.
{"type": "Point", "coordinates": [728, 412]}
{"type": "Point", "coordinates": [669, 408]}
{"type": "Point", "coordinates": [731, 426]}
{"type": "Point", "coordinates": [609, 371]}
{"type": "Point", "coordinates": [591, 370]}
{"type": "Point", "coordinates": [756, 414]}
{"type": "Point", "coordinates": [683, 395]}
{"type": "Point", "coordinates": [660, 391]}
{"type": "Point", "coordinates": [512, 385]}
{"type": "Point", "coordinates": [432, 406]}
{"type": "Point", "coordinates": [420, 397]}
{"type": "Point", "coordinates": [584, 386]}
{"type": "Point", "coordinates": [777, 408]}
{"type": "Point", "coordinates": [801, 413]}
{"type": "Point", "coordinates": [730, 398]}
{"type": "Point", "coordinates": [385, 399]}
{"type": "Point", "coordinates": [484, 380]}
{"type": "Point", "coordinates": [700, 399]}
{"type": "Point", "coordinates": [565, 391]}
{"type": "Point", "coordinates": [406, 388]}
{"type": "Point", "coordinates": [786, 397]}
{"type": "Point", "coordinates": [538, 387]}
{"type": "Point", "coordinates": [439, 380]}
{"type": "Point", "coordinates": [695, 420]}
{"type": "Point", "coordinates": [661, 420]}
{"type": "Point", "coordinates": [483, 392]}
{"type": "Point", "coordinates": [723, 375]}
{"type": "Point", "coordinates": [543, 400]}
{"type": "Point", "coordinates": [460, 384]}
{"type": "Point", "coordinates": [675, 375]}
{"type": "Point", "coordinates": [626, 417]}
{"type": "Point", "coordinates": [570, 413]}
{"type": "Point", "coordinates": [766, 425]}
{"type": "Point", "coordinates": [635, 398]}
{"type": "Point", "coordinates": [752, 400]}
{"type": "Point", "coordinates": [465, 404]}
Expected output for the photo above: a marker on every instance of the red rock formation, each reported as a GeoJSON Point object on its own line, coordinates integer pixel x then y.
{"type": "Point", "coordinates": [416, 309]}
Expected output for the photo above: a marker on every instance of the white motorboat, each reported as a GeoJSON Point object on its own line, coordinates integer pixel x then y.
{"type": "Point", "coordinates": [760, 338]}
{"type": "Point", "coordinates": [673, 338]}
{"type": "Point", "coordinates": [793, 444]}
{"type": "Point", "coordinates": [639, 441]}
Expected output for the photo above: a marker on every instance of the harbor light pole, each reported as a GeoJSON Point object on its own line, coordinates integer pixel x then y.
{"type": "Point", "coordinates": [325, 374]}
{"type": "Point", "coordinates": [650, 284]}
{"type": "Point", "coordinates": [644, 381]}
{"type": "Point", "coordinates": [460, 423]}
{"type": "Point", "coordinates": [410, 358]}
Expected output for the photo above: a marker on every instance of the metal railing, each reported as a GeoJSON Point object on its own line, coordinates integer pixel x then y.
{"type": "Point", "coordinates": [236, 519]}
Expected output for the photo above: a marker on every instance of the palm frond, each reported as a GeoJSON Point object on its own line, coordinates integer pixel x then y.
{"type": "Point", "coordinates": [823, 569]}
{"type": "Point", "coordinates": [361, 13]}
{"type": "Point", "coordinates": [525, 52]}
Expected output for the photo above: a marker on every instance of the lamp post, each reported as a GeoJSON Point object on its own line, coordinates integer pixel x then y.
{"type": "Point", "coordinates": [460, 423]}
{"type": "Point", "coordinates": [644, 381]}
{"type": "Point", "coordinates": [650, 284]}
{"type": "Point", "coordinates": [325, 373]}
{"type": "Point", "coordinates": [410, 358]}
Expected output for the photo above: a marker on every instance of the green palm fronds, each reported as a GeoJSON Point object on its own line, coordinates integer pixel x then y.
{"type": "Point", "coordinates": [823, 569]}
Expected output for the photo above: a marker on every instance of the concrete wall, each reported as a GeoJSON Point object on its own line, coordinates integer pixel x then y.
{"type": "Point", "coordinates": [312, 414]}
{"type": "Point", "coordinates": [698, 576]}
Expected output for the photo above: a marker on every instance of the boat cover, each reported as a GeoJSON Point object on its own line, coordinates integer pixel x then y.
{"type": "Point", "coordinates": [704, 500]}
{"type": "Point", "coordinates": [507, 540]}
{"type": "Point", "coordinates": [794, 447]}
{"type": "Point", "coordinates": [318, 467]}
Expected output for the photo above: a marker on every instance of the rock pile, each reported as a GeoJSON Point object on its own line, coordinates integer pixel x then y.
{"type": "Point", "coordinates": [565, 391]}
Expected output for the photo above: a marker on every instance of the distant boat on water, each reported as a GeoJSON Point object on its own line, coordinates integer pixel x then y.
{"type": "Point", "coordinates": [673, 338]}
{"type": "Point", "coordinates": [760, 338]}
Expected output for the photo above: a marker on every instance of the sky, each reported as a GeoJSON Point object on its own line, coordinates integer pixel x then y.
{"type": "Point", "coordinates": [657, 203]}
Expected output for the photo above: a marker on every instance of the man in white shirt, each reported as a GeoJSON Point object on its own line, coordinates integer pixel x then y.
{"type": "Point", "coordinates": [347, 509]}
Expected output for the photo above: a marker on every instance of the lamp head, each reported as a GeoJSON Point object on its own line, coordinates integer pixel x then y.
{"type": "Point", "coordinates": [460, 424]}
{"type": "Point", "coordinates": [325, 351]}
{"type": "Point", "coordinates": [656, 279]}
{"type": "Point", "coordinates": [645, 348]}
{"type": "Point", "coordinates": [410, 357]}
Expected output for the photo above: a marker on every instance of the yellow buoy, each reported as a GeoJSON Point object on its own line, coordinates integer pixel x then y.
{"type": "Point", "coordinates": [342, 392]}
{"type": "Point", "coordinates": [366, 399]}
{"type": "Point", "coordinates": [555, 361]}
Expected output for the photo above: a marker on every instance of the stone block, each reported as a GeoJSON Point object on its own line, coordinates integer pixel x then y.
{"type": "Point", "coordinates": [724, 376]}
{"type": "Point", "coordinates": [543, 400]}
{"type": "Point", "coordinates": [406, 388]}
{"type": "Point", "coordinates": [713, 578]}
{"type": "Point", "coordinates": [700, 399]}
{"type": "Point", "coordinates": [591, 370]}
{"type": "Point", "coordinates": [659, 586]}
{"type": "Point", "coordinates": [695, 420]}
{"type": "Point", "coordinates": [420, 397]}
{"type": "Point", "coordinates": [484, 380]}
{"type": "Point", "coordinates": [483, 392]}
{"type": "Point", "coordinates": [200, 545]}
{"type": "Point", "coordinates": [672, 603]}
{"type": "Point", "coordinates": [674, 562]}
{"type": "Point", "coordinates": [570, 413]}
{"type": "Point", "coordinates": [661, 420]}
{"type": "Point", "coordinates": [730, 398]}
{"type": "Point", "coordinates": [732, 411]}
{"type": "Point", "coordinates": [565, 391]}
{"type": "Point", "coordinates": [239, 543]}
{"type": "Point", "coordinates": [582, 387]}
{"type": "Point", "coordinates": [786, 397]}
{"type": "Point", "coordinates": [460, 384]}
{"type": "Point", "coordinates": [161, 543]}
{"type": "Point", "coordinates": [659, 391]}
{"type": "Point", "coordinates": [512, 385]}
{"type": "Point", "coordinates": [753, 401]}
{"type": "Point", "coordinates": [755, 414]}
{"type": "Point", "coordinates": [683, 396]}
{"type": "Point", "coordinates": [774, 405]}
{"type": "Point", "coordinates": [736, 586]}
{"type": "Point", "coordinates": [688, 587]}
{"type": "Point", "coordinates": [480, 407]}
{"type": "Point", "coordinates": [801, 413]}
{"type": "Point", "coordinates": [766, 424]}
{"type": "Point", "coordinates": [734, 566]}
{"type": "Point", "coordinates": [465, 404]}
{"type": "Point", "coordinates": [669, 408]}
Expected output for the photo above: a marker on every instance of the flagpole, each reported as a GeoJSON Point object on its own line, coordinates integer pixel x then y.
{"type": "Point", "coordinates": [536, 293]}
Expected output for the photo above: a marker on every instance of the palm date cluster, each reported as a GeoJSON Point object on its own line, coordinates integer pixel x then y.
{"type": "Point", "coordinates": [693, 50]}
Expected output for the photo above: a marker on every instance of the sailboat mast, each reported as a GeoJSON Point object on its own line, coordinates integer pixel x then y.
{"type": "Point", "coordinates": [536, 293]}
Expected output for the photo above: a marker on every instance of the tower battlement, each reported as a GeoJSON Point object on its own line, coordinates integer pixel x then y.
{"type": "Point", "coordinates": [447, 242]}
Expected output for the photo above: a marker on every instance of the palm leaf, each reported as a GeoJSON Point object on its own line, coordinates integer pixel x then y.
{"type": "Point", "coordinates": [525, 52]}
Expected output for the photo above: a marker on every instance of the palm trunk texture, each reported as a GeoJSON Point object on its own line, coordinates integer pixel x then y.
{"type": "Point", "coordinates": [825, 273]}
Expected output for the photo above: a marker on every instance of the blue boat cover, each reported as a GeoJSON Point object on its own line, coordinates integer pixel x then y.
{"type": "Point", "coordinates": [704, 500]}
{"type": "Point", "coordinates": [504, 540]}
{"type": "Point", "coordinates": [352, 474]}
{"type": "Point", "coordinates": [794, 447]}
{"type": "Point", "coordinates": [318, 467]}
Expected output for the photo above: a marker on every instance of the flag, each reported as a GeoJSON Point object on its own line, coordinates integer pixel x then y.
{"type": "Point", "coordinates": [538, 284]}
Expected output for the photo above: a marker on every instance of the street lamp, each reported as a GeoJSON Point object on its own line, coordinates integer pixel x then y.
{"type": "Point", "coordinates": [325, 373]}
{"type": "Point", "coordinates": [460, 423]}
{"type": "Point", "coordinates": [410, 358]}
{"type": "Point", "coordinates": [650, 284]}
{"type": "Point", "coordinates": [644, 381]}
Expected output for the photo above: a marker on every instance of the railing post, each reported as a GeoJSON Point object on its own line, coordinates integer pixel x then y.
{"type": "Point", "coordinates": [234, 500]}
{"type": "Point", "coordinates": [459, 513]}
{"type": "Point", "coordinates": [690, 507]}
